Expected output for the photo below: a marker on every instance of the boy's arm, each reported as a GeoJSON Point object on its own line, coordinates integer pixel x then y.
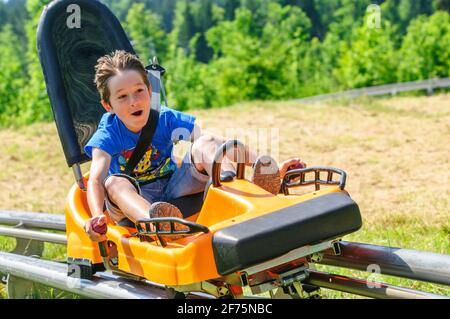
{"type": "Point", "coordinates": [98, 172]}
{"type": "Point", "coordinates": [96, 192]}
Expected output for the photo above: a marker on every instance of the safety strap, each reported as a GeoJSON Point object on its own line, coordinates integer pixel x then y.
{"type": "Point", "coordinates": [154, 73]}
{"type": "Point", "coordinates": [144, 141]}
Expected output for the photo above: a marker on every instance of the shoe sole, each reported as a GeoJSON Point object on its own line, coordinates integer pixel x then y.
{"type": "Point", "coordinates": [267, 175]}
{"type": "Point", "coordinates": [163, 210]}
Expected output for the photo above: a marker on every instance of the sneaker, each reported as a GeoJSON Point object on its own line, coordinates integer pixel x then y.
{"type": "Point", "coordinates": [163, 209]}
{"type": "Point", "coordinates": [266, 174]}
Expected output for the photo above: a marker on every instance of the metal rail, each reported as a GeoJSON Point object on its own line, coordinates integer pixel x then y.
{"type": "Point", "coordinates": [102, 286]}
{"type": "Point", "coordinates": [392, 89]}
{"type": "Point", "coordinates": [33, 235]}
{"type": "Point", "coordinates": [33, 220]}
{"type": "Point", "coordinates": [105, 285]}
{"type": "Point", "coordinates": [364, 288]}
{"type": "Point", "coordinates": [405, 263]}
{"type": "Point", "coordinates": [412, 264]}
{"type": "Point", "coordinates": [55, 275]}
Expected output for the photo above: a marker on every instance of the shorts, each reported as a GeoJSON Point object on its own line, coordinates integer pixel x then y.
{"type": "Point", "coordinates": [185, 180]}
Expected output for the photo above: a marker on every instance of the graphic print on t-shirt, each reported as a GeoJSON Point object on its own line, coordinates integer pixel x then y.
{"type": "Point", "coordinates": [150, 167]}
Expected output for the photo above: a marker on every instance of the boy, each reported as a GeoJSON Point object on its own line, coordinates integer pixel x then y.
{"type": "Point", "coordinates": [125, 94]}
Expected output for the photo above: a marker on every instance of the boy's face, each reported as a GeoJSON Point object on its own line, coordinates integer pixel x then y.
{"type": "Point", "coordinates": [129, 99]}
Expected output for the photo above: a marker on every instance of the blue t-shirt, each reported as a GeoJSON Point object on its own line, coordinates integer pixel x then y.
{"type": "Point", "coordinates": [113, 137]}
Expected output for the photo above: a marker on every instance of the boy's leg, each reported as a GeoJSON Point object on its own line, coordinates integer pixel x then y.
{"type": "Point", "coordinates": [266, 171]}
{"type": "Point", "coordinates": [193, 174]}
{"type": "Point", "coordinates": [186, 180]}
{"type": "Point", "coordinates": [123, 198]}
{"type": "Point", "coordinates": [203, 151]}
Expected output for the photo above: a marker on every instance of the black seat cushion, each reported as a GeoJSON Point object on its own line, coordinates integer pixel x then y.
{"type": "Point", "coordinates": [188, 205]}
{"type": "Point", "coordinates": [272, 235]}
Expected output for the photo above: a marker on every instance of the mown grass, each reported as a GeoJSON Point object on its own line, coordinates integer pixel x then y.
{"type": "Point", "coordinates": [394, 150]}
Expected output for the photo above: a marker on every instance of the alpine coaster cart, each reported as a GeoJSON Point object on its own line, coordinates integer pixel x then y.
{"type": "Point", "coordinates": [240, 239]}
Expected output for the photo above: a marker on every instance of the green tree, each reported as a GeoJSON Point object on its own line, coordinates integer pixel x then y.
{"type": "Point", "coordinates": [12, 76]}
{"type": "Point", "coordinates": [146, 32]}
{"type": "Point", "coordinates": [247, 67]}
{"type": "Point", "coordinates": [204, 19]}
{"type": "Point", "coordinates": [443, 5]}
{"type": "Point", "coordinates": [167, 12]}
{"type": "Point", "coordinates": [120, 7]}
{"type": "Point", "coordinates": [183, 27]}
{"type": "Point", "coordinates": [369, 59]}
{"type": "Point", "coordinates": [347, 16]}
{"type": "Point", "coordinates": [163, 8]}
{"type": "Point", "coordinates": [312, 10]}
{"type": "Point", "coordinates": [15, 14]}
{"type": "Point", "coordinates": [2, 14]}
{"type": "Point", "coordinates": [315, 64]}
{"type": "Point", "coordinates": [230, 7]}
{"type": "Point", "coordinates": [260, 11]}
{"type": "Point", "coordinates": [35, 105]}
{"type": "Point", "coordinates": [425, 52]}
{"type": "Point", "coordinates": [401, 12]}
{"type": "Point", "coordinates": [187, 80]}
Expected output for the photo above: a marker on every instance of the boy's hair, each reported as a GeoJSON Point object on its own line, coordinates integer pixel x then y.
{"type": "Point", "coordinates": [110, 65]}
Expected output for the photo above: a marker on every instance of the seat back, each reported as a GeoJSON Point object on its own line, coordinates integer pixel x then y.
{"type": "Point", "coordinates": [71, 36]}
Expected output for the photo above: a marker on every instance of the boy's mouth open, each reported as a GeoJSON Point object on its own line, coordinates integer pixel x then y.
{"type": "Point", "coordinates": [137, 113]}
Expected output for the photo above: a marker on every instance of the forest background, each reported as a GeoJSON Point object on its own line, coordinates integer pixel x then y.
{"type": "Point", "coordinates": [221, 52]}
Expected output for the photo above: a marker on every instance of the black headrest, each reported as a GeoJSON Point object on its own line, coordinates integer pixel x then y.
{"type": "Point", "coordinates": [71, 36]}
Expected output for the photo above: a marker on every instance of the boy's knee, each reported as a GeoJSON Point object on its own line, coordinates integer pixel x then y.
{"type": "Point", "coordinates": [205, 143]}
{"type": "Point", "coordinates": [202, 147]}
{"type": "Point", "coordinates": [203, 150]}
{"type": "Point", "coordinates": [203, 140]}
{"type": "Point", "coordinates": [117, 184]}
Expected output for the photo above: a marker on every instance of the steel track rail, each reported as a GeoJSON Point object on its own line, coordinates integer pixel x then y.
{"type": "Point", "coordinates": [365, 288]}
{"type": "Point", "coordinates": [55, 275]}
{"type": "Point", "coordinates": [404, 263]}
{"type": "Point", "coordinates": [34, 235]}
{"type": "Point", "coordinates": [107, 286]}
{"type": "Point", "coordinates": [33, 220]}
{"type": "Point", "coordinates": [102, 286]}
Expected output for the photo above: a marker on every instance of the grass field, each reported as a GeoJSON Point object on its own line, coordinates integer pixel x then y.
{"type": "Point", "coordinates": [394, 150]}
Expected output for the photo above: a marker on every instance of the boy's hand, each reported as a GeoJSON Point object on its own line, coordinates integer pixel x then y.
{"type": "Point", "coordinates": [292, 163]}
{"type": "Point", "coordinates": [96, 228]}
